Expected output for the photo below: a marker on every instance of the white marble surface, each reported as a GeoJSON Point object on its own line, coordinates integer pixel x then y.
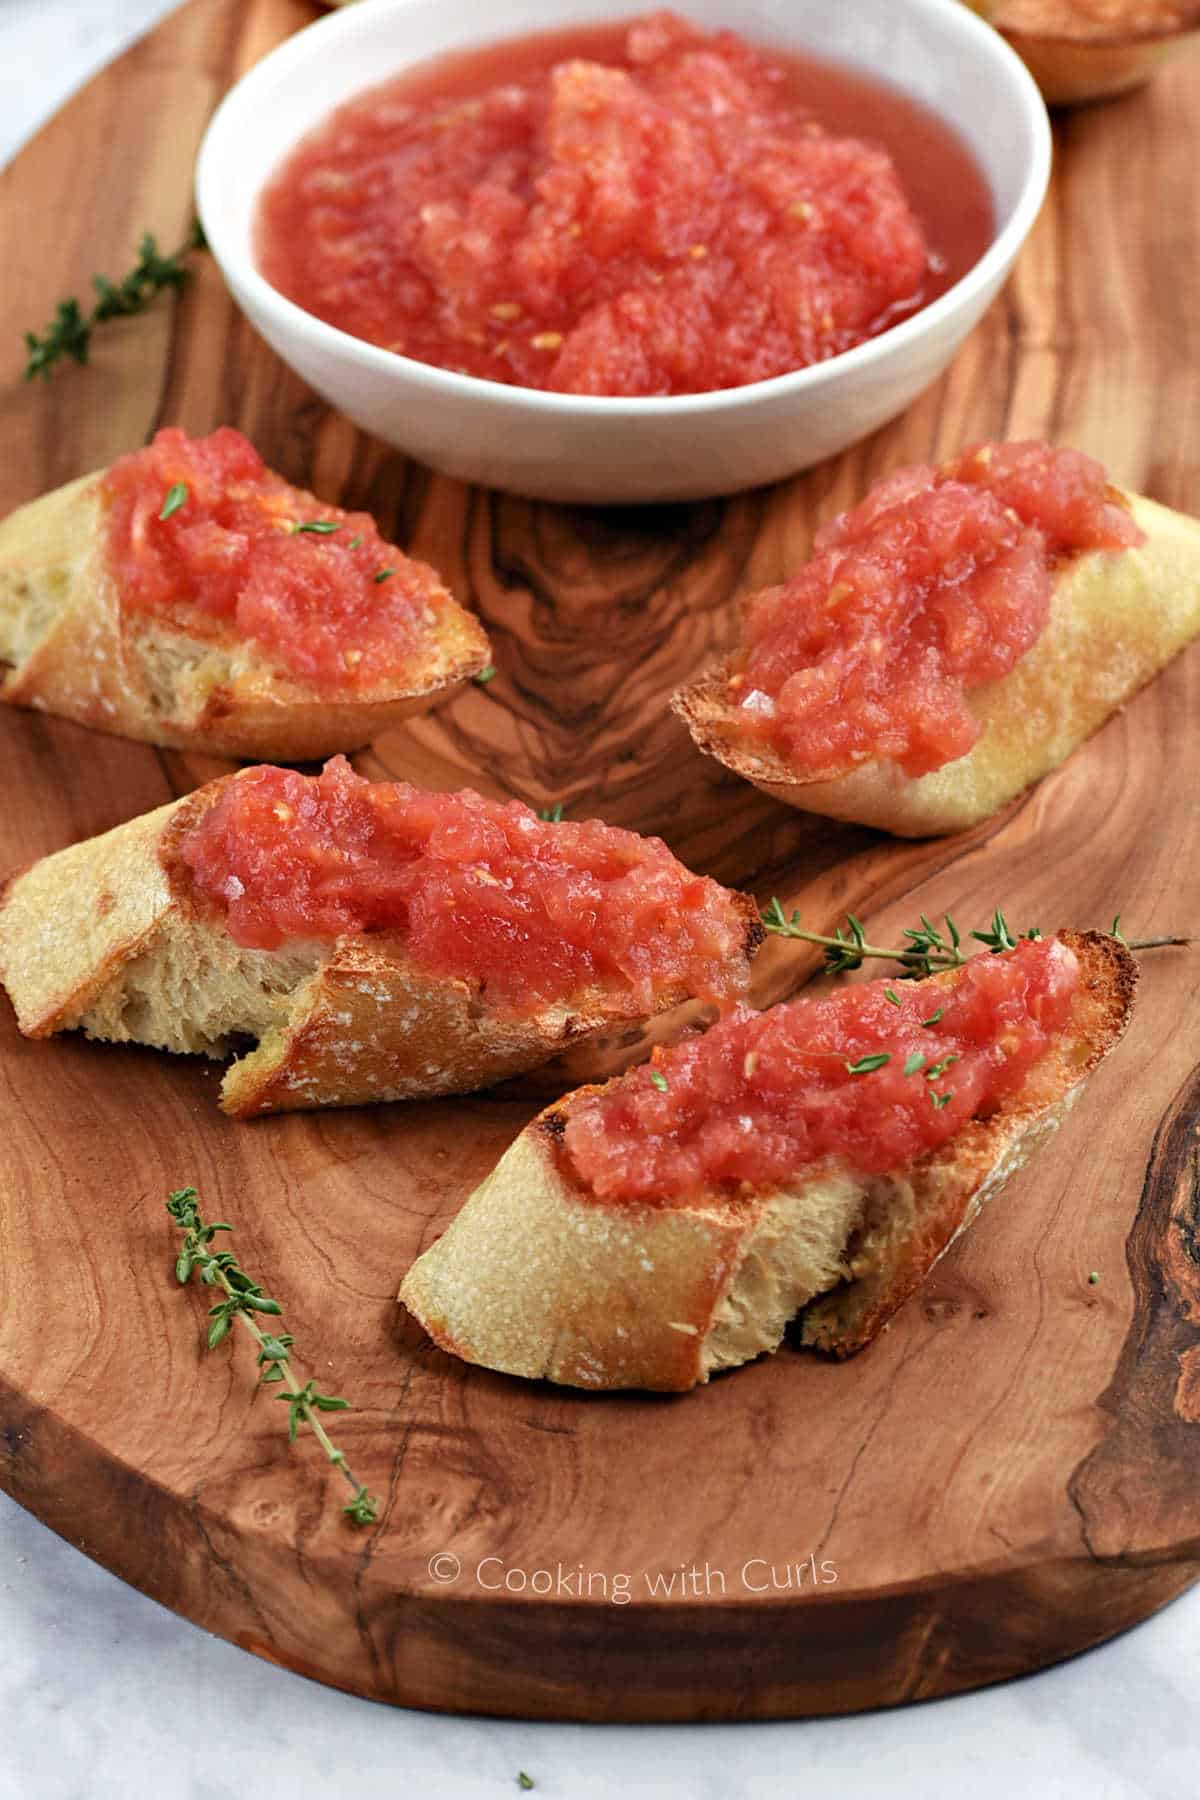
{"type": "Point", "coordinates": [104, 1694]}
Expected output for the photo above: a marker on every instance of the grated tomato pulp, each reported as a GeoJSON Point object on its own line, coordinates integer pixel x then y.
{"type": "Point", "coordinates": [938, 581]}
{"type": "Point", "coordinates": [233, 554]}
{"type": "Point", "coordinates": [764, 1096]}
{"type": "Point", "coordinates": [624, 210]}
{"type": "Point", "coordinates": [532, 911]}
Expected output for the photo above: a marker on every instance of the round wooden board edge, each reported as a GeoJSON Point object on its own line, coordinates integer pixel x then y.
{"type": "Point", "coordinates": [439, 1651]}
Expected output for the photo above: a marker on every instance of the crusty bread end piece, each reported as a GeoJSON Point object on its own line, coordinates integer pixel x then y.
{"type": "Point", "coordinates": [1116, 618]}
{"type": "Point", "coordinates": [107, 937]}
{"type": "Point", "coordinates": [1083, 52]}
{"type": "Point", "coordinates": [537, 1279]}
{"type": "Point", "coordinates": [67, 648]}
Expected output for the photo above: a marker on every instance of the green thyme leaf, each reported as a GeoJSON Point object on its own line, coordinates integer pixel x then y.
{"type": "Point", "coordinates": [362, 1509]}
{"type": "Point", "coordinates": [999, 938]}
{"type": "Point", "coordinates": [867, 1064]}
{"type": "Point", "coordinates": [68, 334]}
{"type": "Point", "coordinates": [658, 1080]}
{"type": "Point", "coordinates": [176, 497]}
{"type": "Point", "coordinates": [913, 1063]}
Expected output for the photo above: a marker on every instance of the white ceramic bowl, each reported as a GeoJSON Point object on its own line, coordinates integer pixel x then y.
{"type": "Point", "coordinates": [561, 446]}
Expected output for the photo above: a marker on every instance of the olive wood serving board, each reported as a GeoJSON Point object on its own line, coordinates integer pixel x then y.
{"type": "Point", "coordinates": [1012, 1472]}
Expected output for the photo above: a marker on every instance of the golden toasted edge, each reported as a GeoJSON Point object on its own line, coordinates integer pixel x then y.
{"type": "Point", "coordinates": [1077, 56]}
{"type": "Point", "coordinates": [1076, 73]}
{"type": "Point", "coordinates": [1064, 22]}
{"type": "Point", "coordinates": [952, 1185]}
{"type": "Point", "coordinates": [535, 1278]}
{"type": "Point", "coordinates": [151, 681]}
{"type": "Point", "coordinates": [1117, 618]}
{"type": "Point", "coordinates": [414, 1035]}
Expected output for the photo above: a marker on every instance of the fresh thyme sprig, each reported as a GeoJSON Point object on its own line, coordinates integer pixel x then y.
{"type": "Point", "coordinates": [928, 949]}
{"type": "Point", "coordinates": [243, 1297]}
{"type": "Point", "coordinates": [69, 332]}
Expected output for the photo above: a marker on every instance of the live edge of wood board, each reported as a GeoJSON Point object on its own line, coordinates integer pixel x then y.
{"type": "Point", "coordinates": [1012, 1472]}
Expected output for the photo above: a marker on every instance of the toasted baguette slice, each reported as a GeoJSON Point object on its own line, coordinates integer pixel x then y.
{"type": "Point", "coordinates": [108, 937]}
{"type": "Point", "coordinates": [68, 647]}
{"type": "Point", "coordinates": [1116, 618]}
{"type": "Point", "coordinates": [1083, 50]}
{"type": "Point", "coordinates": [537, 1278]}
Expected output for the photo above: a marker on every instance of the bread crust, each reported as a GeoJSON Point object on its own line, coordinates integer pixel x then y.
{"type": "Point", "coordinates": [1116, 618]}
{"type": "Point", "coordinates": [68, 647]}
{"type": "Point", "coordinates": [537, 1278]}
{"type": "Point", "coordinates": [1080, 53]}
{"type": "Point", "coordinates": [109, 936]}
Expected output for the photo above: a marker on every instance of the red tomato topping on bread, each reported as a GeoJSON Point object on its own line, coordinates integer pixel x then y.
{"type": "Point", "coordinates": [483, 891]}
{"type": "Point", "coordinates": [935, 583]}
{"type": "Point", "coordinates": [201, 531]}
{"type": "Point", "coordinates": [855, 1076]}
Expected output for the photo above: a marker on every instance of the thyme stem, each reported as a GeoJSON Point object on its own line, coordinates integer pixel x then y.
{"type": "Point", "coordinates": [1155, 943]}
{"type": "Point", "coordinates": [243, 1297]}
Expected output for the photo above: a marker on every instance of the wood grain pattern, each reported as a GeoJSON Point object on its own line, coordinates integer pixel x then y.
{"type": "Point", "coordinates": [1013, 1471]}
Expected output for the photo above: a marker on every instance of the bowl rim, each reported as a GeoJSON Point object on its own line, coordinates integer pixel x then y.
{"type": "Point", "coordinates": [288, 317]}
